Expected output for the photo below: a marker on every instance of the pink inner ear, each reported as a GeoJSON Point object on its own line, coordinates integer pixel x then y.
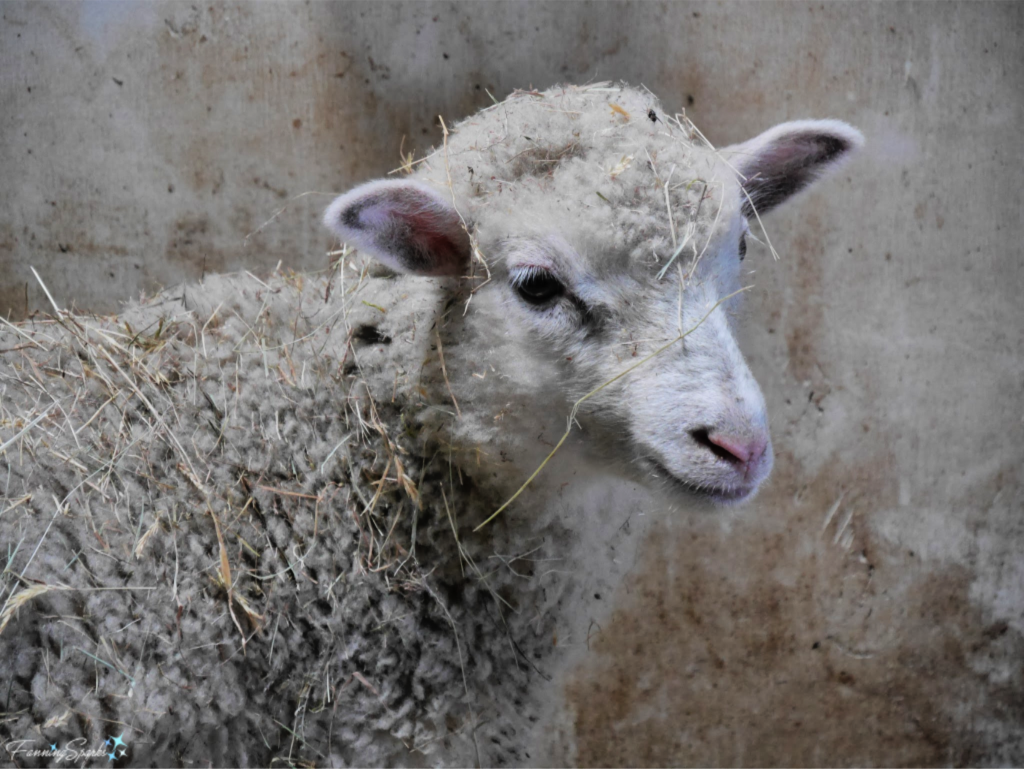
{"type": "Point", "coordinates": [437, 242]}
{"type": "Point", "coordinates": [407, 225]}
{"type": "Point", "coordinates": [439, 234]}
{"type": "Point", "coordinates": [796, 152]}
{"type": "Point", "coordinates": [375, 216]}
{"type": "Point", "coordinates": [426, 223]}
{"type": "Point", "coordinates": [786, 159]}
{"type": "Point", "coordinates": [783, 154]}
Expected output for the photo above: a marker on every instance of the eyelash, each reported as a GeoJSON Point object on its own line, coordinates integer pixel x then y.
{"type": "Point", "coordinates": [537, 286]}
{"type": "Point", "coordinates": [523, 274]}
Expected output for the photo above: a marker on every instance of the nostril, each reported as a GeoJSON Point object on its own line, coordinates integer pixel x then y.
{"type": "Point", "coordinates": [719, 446]}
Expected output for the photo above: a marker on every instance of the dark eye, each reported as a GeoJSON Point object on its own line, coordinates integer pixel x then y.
{"type": "Point", "coordinates": [743, 247]}
{"type": "Point", "coordinates": [539, 287]}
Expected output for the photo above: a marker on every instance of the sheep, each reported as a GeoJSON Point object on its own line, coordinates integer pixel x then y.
{"type": "Point", "coordinates": [253, 520]}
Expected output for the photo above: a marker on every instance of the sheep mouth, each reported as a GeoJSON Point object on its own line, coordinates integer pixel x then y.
{"type": "Point", "coordinates": [719, 495]}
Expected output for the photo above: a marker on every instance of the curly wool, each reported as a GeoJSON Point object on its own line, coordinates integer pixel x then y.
{"type": "Point", "coordinates": [357, 649]}
{"type": "Point", "coordinates": [594, 159]}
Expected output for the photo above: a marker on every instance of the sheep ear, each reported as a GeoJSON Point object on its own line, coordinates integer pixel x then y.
{"type": "Point", "coordinates": [789, 157]}
{"type": "Point", "coordinates": [407, 225]}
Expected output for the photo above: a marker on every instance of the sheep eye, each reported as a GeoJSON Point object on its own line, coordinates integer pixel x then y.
{"type": "Point", "coordinates": [539, 287]}
{"type": "Point", "coordinates": [743, 247]}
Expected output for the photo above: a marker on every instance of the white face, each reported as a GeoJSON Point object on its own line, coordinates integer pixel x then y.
{"type": "Point", "coordinates": [585, 303]}
{"type": "Point", "coordinates": [691, 416]}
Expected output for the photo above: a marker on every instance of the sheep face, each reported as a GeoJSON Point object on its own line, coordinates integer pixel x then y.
{"type": "Point", "coordinates": [690, 413]}
{"type": "Point", "coordinates": [613, 264]}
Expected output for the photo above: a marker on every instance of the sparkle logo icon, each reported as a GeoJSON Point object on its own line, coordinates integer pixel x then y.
{"type": "Point", "coordinates": [118, 748]}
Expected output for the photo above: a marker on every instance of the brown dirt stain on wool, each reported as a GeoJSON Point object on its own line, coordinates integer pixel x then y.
{"type": "Point", "coordinates": [783, 643]}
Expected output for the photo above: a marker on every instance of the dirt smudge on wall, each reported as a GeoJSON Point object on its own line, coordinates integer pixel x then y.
{"type": "Point", "coordinates": [804, 313]}
{"type": "Point", "coordinates": [827, 647]}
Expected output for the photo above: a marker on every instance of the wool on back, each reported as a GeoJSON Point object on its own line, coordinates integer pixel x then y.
{"type": "Point", "coordinates": [238, 530]}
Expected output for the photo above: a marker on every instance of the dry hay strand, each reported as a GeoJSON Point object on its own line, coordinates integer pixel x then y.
{"type": "Point", "coordinates": [136, 423]}
{"type": "Point", "coordinates": [576, 406]}
{"type": "Point", "coordinates": [90, 392]}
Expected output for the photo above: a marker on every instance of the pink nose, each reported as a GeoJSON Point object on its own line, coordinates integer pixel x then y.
{"type": "Point", "coordinates": [741, 451]}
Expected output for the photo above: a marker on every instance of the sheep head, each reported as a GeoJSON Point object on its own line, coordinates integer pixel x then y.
{"type": "Point", "coordinates": [603, 240]}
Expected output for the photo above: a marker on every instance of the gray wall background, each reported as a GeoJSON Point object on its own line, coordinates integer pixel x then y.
{"type": "Point", "coordinates": [868, 607]}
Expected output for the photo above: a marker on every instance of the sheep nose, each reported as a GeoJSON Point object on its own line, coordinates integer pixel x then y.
{"type": "Point", "coordinates": [737, 450]}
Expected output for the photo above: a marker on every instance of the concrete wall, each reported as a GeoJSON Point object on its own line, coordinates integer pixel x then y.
{"type": "Point", "coordinates": [868, 607]}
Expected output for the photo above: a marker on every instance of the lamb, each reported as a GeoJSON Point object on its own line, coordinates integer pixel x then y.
{"type": "Point", "coordinates": [243, 520]}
